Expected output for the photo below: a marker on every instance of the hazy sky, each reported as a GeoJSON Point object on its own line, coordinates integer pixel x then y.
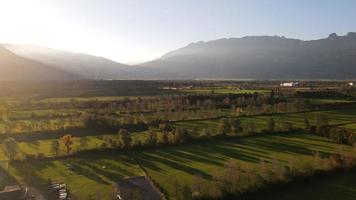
{"type": "Point", "coordinates": [133, 31]}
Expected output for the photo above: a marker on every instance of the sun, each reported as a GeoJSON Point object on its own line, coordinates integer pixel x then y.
{"type": "Point", "coordinates": [37, 22]}
{"type": "Point", "coordinates": [23, 21]}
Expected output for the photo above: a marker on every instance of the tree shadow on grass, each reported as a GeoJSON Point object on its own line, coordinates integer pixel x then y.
{"type": "Point", "coordinates": [281, 146]}
{"type": "Point", "coordinates": [192, 155]}
{"type": "Point", "coordinates": [88, 173]}
{"type": "Point", "coordinates": [190, 158]}
{"type": "Point", "coordinates": [152, 160]}
{"type": "Point", "coordinates": [183, 158]}
{"type": "Point", "coordinates": [30, 172]}
{"type": "Point", "coordinates": [33, 144]}
{"type": "Point", "coordinates": [110, 171]}
{"type": "Point", "coordinates": [243, 145]}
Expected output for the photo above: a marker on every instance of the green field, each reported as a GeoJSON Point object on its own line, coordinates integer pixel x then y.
{"type": "Point", "coordinates": [87, 176]}
{"type": "Point", "coordinates": [225, 91]}
{"type": "Point", "coordinates": [171, 157]}
{"type": "Point", "coordinates": [330, 187]}
{"type": "Point", "coordinates": [327, 100]}
{"type": "Point", "coordinates": [177, 163]}
{"type": "Point", "coordinates": [335, 117]}
{"type": "Point", "coordinates": [44, 146]}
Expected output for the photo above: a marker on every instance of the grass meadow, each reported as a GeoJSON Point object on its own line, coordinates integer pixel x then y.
{"type": "Point", "coordinates": [94, 174]}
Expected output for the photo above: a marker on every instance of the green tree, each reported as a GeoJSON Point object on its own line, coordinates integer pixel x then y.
{"type": "Point", "coordinates": [249, 128]}
{"type": "Point", "coordinates": [11, 148]}
{"type": "Point", "coordinates": [235, 126]}
{"type": "Point", "coordinates": [109, 141]}
{"type": "Point", "coordinates": [182, 135]}
{"type": "Point", "coordinates": [3, 112]}
{"type": "Point", "coordinates": [67, 141]}
{"type": "Point", "coordinates": [206, 133]}
{"type": "Point", "coordinates": [271, 97]}
{"type": "Point", "coordinates": [164, 137]}
{"type": "Point", "coordinates": [195, 132]}
{"type": "Point", "coordinates": [89, 119]}
{"type": "Point", "coordinates": [270, 125]}
{"type": "Point", "coordinates": [306, 124]}
{"type": "Point", "coordinates": [125, 138]}
{"type": "Point", "coordinates": [223, 126]}
{"type": "Point", "coordinates": [83, 142]}
{"type": "Point", "coordinates": [152, 136]}
{"type": "Point", "coordinates": [320, 122]}
{"type": "Point", "coordinates": [55, 147]}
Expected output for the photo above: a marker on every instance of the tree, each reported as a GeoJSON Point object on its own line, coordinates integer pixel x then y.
{"type": "Point", "coordinates": [271, 97]}
{"type": "Point", "coordinates": [55, 147]}
{"type": "Point", "coordinates": [89, 119]}
{"type": "Point", "coordinates": [249, 128]}
{"type": "Point", "coordinates": [223, 127]}
{"type": "Point", "coordinates": [206, 133]}
{"type": "Point", "coordinates": [235, 126]}
{"type": "Point", "coordinates": [67, 141]}
{"type": "Point", "coordinates": [270, 125]}
{"type": "Point", "coordinates": [165, 137]}
{"type": "Point", "coordinates": [183, 192]}
{"type": "Point", "coordinates": [195, 132]}
{"type": "Point", "coordinates": [152, 136]}
{"type": "Point", "coordinates": [109, 141]}
{"type": "Point", "coordinates": [180, 135]}
{"type": "Point", "coordinates": [199, 187]}
{"type": "Point", "coordinates": [3, 112]}
{"type": "Point", "coordinates": [114, 191]}
{"type": "Point", "coordinates": [125, 138]}
{"type": "Point", "coordinates": [11, 148]}
{"type": "Point", "coordinates": [320, 122]}
{"type": "Point", "coordinates": [231, 176]}
{"type": "Point", "coordinates": [83, 142]}
{"type": "Point", "coordinates": [306, 124]}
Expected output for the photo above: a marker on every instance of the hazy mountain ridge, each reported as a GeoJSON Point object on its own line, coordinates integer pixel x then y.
{"type": "Point", "coordinates": [14, 67]}
{"type": "Point", "coordinates": [83, 65]}
{"type": "Point", "coordinates": [250, 57]}
{"type": "Point", "coordinates": [262, 57]}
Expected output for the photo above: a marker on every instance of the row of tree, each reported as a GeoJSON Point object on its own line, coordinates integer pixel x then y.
{"type": "Point", "coordinates": [12, 150]}
{"type": "Point", "coordinates": [236, 181]}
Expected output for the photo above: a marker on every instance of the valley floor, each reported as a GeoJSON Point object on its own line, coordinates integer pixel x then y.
{"type": "Point", "coordinates": [89, 176]}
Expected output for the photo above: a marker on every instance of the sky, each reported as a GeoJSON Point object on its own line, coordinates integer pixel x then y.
{"type": "Point", "coordinates": [134, 31]}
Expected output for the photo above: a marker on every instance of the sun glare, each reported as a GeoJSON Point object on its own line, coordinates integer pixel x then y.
{"type": "Point", "coordinates": [23, 21]}
{"type": "Point", "coordinates": [41, 23]}
{"type": "Point", "coordinates": [32, 22]}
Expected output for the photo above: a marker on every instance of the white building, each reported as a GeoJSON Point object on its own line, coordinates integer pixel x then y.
{"type": "Point", "coordinates": [289, 84]}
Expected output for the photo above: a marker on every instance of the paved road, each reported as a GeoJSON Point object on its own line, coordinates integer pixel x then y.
{"type": "Point", "coordinates": [39, 195]}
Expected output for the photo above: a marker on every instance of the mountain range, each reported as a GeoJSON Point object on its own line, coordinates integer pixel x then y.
{"type": "Point", "coordinates": [251, 57]}
{"type": "Point", "coordinates": [14, 67]}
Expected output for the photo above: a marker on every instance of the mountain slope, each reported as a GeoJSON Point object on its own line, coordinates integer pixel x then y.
{"type": "Point", "coordinates": [262, 57]}
{"type": "Point", "coordinates": [87, 66]}
{"type": "Point", "coordinates": [14, 67]}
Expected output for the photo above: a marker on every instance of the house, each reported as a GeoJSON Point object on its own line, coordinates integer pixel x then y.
{"type": "Point", "coordinates": [12, 192]}
{"type": "Point", "coordinates": [137, 188]}
{"type": "Point", "coordinates": [289, 84]}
